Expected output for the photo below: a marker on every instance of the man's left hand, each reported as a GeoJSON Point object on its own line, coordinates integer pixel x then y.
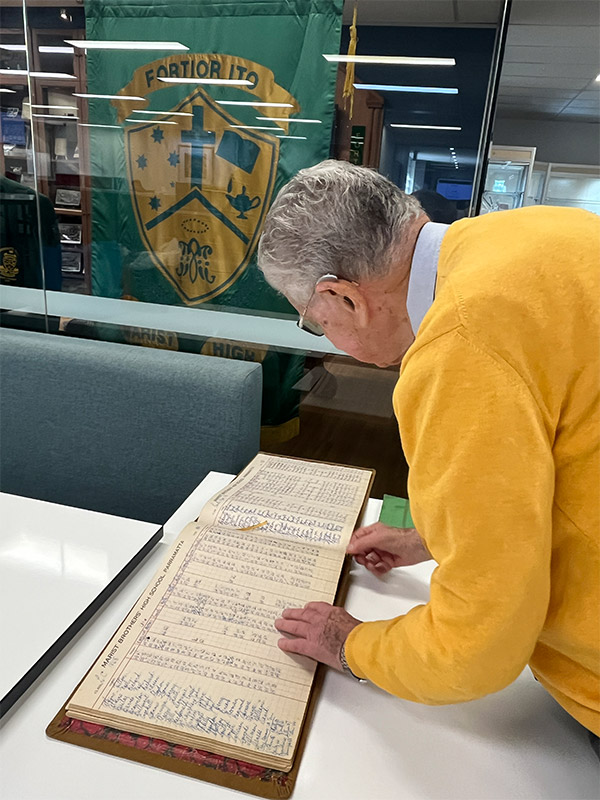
{"type": "Point", "coordinates": [319, 631]}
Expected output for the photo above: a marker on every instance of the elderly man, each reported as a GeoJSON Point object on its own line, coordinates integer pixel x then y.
{"type": "Point", "coordinates": [495, 322]}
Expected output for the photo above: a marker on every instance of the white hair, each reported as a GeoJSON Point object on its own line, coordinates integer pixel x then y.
{"type": "Point", "coordinates": [333, 218]}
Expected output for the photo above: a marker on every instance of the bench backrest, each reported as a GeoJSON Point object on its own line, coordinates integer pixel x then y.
{"type": "Point", "coordinates": [120, 429]}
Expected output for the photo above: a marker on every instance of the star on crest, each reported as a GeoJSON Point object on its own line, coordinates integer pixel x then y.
{"type": "Point", "coordinates": [158, 135]}
{"type": "Point", "coordinates": [142, 161]}
{"type": "Point", "coordinates": [173, 159]}
{"type": "Point", "coordinates": [155, 203]}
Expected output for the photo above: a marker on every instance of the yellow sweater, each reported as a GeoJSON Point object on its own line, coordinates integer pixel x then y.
{"type": "Point", "coordinates": [497, 404]}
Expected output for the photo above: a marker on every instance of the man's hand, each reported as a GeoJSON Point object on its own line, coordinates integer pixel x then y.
{"type": "Point", "coordinates": [319, 631]}
{"type": "Point", "coordinates": [380, 548]}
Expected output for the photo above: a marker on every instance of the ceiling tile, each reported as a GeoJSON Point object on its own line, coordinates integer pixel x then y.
{"type": "Point", "coordinates": [555, 12]}
{"type": "Point", "coordinates": [536, 54]}
{"type": "Point", "coordinates": [552, 36]}
{"type": "Point", "coordinates": [591, 94]}
{"type": "Point", "coordinates": [536, 103]}
{"type": "Point", "coordinates": [479, 12]}
{"type": "Point", "coordinates": [519, 91]}
{"type": "Point", "coordinates": [591, 104]}
{"type": "Point", "coordinates": [533, 103]}
{"type": "Point", "coordinates": [584, 116]}
{"type": "Point", "coordinates": [515, 100]}
{"type": "Point", "coordinates": [527, 114]}
{"type": "Point", "coordinates": [407, 12]}
{"type": "Point", "coordinates": [556, 69]}
{"type": "Point", "coordinates": [543, 83]}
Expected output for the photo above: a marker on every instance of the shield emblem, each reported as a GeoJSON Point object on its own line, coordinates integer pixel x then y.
{"type": "Point", "coordinates": [200, 188]}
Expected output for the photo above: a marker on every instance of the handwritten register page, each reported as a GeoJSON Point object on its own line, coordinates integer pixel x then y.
{"type": "Point", "coordinates": [196, 661]}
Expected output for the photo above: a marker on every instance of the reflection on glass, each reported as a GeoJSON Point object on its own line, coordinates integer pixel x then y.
{"type": "Point", "coordinates": [507, 180]}
{"type": "Point", "coordinates": [160, 164]}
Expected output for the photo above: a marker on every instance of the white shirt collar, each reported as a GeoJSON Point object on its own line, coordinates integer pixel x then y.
{"type": "Point", "coordinates": [423, 272]}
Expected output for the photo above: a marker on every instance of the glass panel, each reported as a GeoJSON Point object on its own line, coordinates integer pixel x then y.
{"type": "Point", "coordinates": [549, 101]}
{"type": "Point", "coordinates": [161, 161]}
{"type": "Point", "coordinates": [16, 134]}
{"type": "Point", "coordinates": [536, 185]}
{"type": "Point", "coordinates": [575, 190]}
{"type": "Point", "coordinates": [53, 54]}
{"type": "Point", "coordinates": [27, 234]}
{"type": "Point", "coordinates": [430, 134]}
{"type": "Point", "coordinates": [504, 186]}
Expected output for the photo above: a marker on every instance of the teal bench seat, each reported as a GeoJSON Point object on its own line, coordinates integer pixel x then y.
{"type": "Point", "coordinates": [120, 429]}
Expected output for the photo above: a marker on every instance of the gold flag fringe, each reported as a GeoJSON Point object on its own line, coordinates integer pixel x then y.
{"type": "Point", "coordinates": [348, 91]}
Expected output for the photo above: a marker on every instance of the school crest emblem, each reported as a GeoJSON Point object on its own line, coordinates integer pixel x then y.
{"type": "Point", "coordinates": [200, 181]}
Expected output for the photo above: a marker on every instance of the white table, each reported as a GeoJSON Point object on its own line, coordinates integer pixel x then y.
{"type": "Point", "coordinates": [363, 744]}
{"type": "Point", "coordinates": [57, 566]}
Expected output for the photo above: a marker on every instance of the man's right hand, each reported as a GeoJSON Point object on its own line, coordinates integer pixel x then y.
{"type": "Point", "coordinates": [380, 548]}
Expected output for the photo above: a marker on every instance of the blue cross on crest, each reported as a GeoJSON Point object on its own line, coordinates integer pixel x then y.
{"type": "Point", "coordinates": [197, 138]}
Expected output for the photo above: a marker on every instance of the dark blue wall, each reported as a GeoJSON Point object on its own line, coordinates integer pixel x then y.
{"type": "Point", "coordinates": [472, 48]}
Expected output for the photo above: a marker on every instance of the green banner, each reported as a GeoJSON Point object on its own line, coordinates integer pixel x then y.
{"type": "Point", "coordinates": [183, 178]}
{"type": "Point", "coordinates": [179, 198]}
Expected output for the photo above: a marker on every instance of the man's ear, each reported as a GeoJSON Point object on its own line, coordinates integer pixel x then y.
{"type": "Point", "coordinates": [346, 296]}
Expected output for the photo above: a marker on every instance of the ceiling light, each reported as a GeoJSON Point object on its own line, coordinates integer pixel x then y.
{"type": "Point", "coordinates": [252, 103]}
{"type": "Point", "coordinates": [291, 137]}
{"type": "Point", "coordinates": [287, 119]}
{"type": "Point", "coordinates": [151, 121]}
{"type": "Point", "coordinates": [58, 75]}
{"type": "Point", "coordinates": [64, 14]}
{"type": "Point", "coordinates": [171, 113]}
{"type": "Point", "coordinates": [212, 81]}
{"type": "Point", "coordinates": [7, 91]}
{"type": "Point", "coordinates": [383, 87]}
{"type": "Point", "coordinates": [429, 127]}
{"type": "Point", "coordinates": [42, 49]}
{"type": "Point", "coordinates": [86, 44]}
{"type": "Point", "coordinates": [257, 128]}
{"type": "Point", "coordinates": [67, 108]}
{"type": "Point", "coordinates": [406, 60]}
{"type": "Point", "coordinates": [96, 125]}
{"type": "Point", "coordinates": [57, 116]}
{"type": "Point", "coordinates": [51, 49]}
{"type": "Point", "coordinates": [108, 96]}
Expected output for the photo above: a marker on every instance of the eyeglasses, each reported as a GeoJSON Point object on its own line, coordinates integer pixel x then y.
{"type": "Point", "coordinates": [305, 324]}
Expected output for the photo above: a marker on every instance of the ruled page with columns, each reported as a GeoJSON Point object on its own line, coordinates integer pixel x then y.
{"type": "Point", "coordinates": [196, 661]}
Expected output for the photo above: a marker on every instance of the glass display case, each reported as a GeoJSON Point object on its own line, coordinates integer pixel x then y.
{"type": "Point", "coordinates": [573, 185]}
{"type": "Point", "coordinates": [42, 109]}
{"type": "Point", "coordinates": [507, 179]}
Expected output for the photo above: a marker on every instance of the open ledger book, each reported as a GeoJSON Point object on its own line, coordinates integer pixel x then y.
{"type": "Point", "coordinates": [196, 660]}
